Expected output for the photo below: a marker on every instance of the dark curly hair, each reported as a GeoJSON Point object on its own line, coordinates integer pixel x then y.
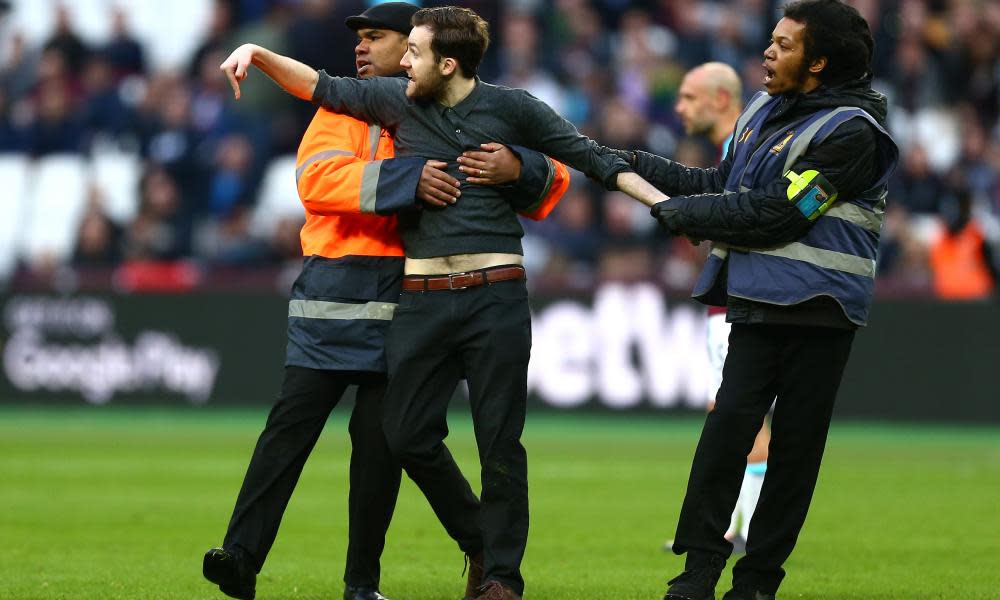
{"type": "Point", "coordinates": [838, 32]}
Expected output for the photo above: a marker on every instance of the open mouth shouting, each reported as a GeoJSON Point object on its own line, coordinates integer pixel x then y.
{"type": "Point", "coordinates": [768, 74]}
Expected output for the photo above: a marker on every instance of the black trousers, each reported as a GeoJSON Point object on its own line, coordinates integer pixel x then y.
{"type": "Point", "coordinates": [800, 369]}
{"type": "Point", "coordinates": [483, 333]}
{"type": "Point", "coordinates": [293, 426]}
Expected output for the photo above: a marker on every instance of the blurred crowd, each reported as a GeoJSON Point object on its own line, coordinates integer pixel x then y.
{"type": "Point", "coordinates": [613, 67]}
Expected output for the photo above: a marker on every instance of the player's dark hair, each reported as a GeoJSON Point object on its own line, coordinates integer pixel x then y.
{"type": "Point", "coordinates": [838, 32]}
{"type": "Point", "coordinates": [459, 33]}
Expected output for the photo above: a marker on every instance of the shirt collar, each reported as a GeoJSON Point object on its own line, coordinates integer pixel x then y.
{"type": "Point", "coordinates": [468, 103]}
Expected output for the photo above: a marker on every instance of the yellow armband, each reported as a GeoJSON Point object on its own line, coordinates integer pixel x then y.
{"type": "Point", "coordinates": [811, 193]}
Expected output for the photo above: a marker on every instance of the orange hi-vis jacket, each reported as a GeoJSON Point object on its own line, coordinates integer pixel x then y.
{"type": "Point", "coordinates": [338, 170]}
{"type": "Point", "coordinates": [351, 187]}
{"type": "Point", "coordinates": [959, 266]}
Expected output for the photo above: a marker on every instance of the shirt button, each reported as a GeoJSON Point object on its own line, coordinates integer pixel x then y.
{"type": "Point", "coordinates": [458, 131]}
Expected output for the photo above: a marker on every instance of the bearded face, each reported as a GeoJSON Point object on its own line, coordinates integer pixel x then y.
{"type": "Point", "coordinates": [422, 67]}
{"type": "Point", "coordinates": [425, 87]}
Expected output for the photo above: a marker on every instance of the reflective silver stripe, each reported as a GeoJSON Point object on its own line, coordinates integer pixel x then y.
{"type": "Point", "coordinates": [319, 309]}
{"type": "Point", "coordinates": [551, 176]}
{"type": "Point", "coordinates": [827, 259]}
{"type": "Point", "coordinates": [720, 250]}
{"type": "Point", "coordinates": [801, 141]}
{"type": "Point", "coordinates": [319, 156]}
{"type": "Point", "coordinates": [880, 205]}
{"type": "Point", "coordinates": [748, 114]}
{"type": "Point", "coordinates": [369, 186]}
{"type": "Point", "coordinates": [374, 133]}
{"type": "Point", "coordinates": [854, 214]}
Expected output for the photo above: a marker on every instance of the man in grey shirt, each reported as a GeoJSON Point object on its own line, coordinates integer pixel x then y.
{"type": "Point", "coordinates": [464, 309]}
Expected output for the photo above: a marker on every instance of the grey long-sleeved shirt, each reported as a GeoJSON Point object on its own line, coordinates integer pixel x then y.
{"type": "Point", "coordinates": [482, 220]}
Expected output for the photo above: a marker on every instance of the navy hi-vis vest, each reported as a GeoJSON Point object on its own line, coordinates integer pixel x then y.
{"type": "Point", "coordinates": [836, 257]}
{"type": "Point", "coordinates": [339, 312]}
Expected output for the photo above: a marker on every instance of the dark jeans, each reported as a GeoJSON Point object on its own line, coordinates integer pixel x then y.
{"type": "Point", "coordinates": [483, 333]}
{"type": "Point", "coordinates": [801, 367]}
{"type": "Point", "coordinates": [293, 426]}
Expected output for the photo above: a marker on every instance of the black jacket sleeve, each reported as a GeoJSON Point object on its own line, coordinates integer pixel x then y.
{"type": "Point", "coordinates": [764, 217]}
{"type": "Point", "coordinates": [549, 133]}
{"type": "Point", "coordinates": [673, 178]}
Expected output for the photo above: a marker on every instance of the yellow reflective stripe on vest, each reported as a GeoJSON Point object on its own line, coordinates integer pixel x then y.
{"type": "Point", "coordinates": [748, 114]}
{"type": "Point", "coordinates": [854, 214]}
{"type": "Point", "coordinates": [369, 186]}
{"type": "Point", "coordinates": [319, 309]}
{"type": "Point", "coordinates": [827, 259]}
{"type": "Point", "coordinates": [317, 157]}
{"type": "Point", "coordinates": [720, 251]}
{"type": "Point", "coordinates": [801, 141]}
{"type": "Point", "coordinates": [868, 220]}
{"type": "Point", "coordinates": [374, 133]}
{"type": "Point", "coordinates": [369, 175]}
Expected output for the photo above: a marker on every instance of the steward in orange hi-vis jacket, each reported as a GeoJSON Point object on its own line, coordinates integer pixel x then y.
{"type": "Point", "coordinates": [351, 188]}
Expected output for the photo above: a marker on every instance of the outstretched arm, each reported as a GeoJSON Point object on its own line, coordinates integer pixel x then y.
{"type": "Point", "coordinates": [546, 131]}
{"type": "Point", "coordinates": [640, 189]}
{"type": "Point", "coordinates": [769, 215]}
{"type": "Point", "coordinates": [379, 100]}
{"type": "Point", "coordinates": [296, 78]}
{"type": "Point", "coordinates": [674, 178]}
{"type": "Point", "coordinates": [550, 133]}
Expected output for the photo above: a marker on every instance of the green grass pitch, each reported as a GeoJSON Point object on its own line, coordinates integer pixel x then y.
{"type": "Point", "coordinates": [115, 503]}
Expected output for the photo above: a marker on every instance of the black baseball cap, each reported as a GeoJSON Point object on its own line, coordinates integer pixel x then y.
{"type": "Point", "coordinates": [394, 16]}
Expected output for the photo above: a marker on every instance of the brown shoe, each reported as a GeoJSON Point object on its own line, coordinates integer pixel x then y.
{"type": "Point", "coordinates": [494, 590]}
{"type": "Point", "coordinates": [475, 567]}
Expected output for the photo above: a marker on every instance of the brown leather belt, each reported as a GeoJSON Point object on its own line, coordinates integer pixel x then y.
{"type": "Point", "coordinates": [460, 281]}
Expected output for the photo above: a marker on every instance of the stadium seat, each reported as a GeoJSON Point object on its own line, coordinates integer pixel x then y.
{"type": "Point", "coordinates": [169, 37]}
{"type": "Point", "coordinates": [55, 205]}
{"type": "Point", "coordinates": [116, 175]}
{"type": "Point", "coordinates": [15, 172]}
{"type": "Point", "coordinates": [926, 228]}
{"type": "Point", "coordinates": [278, 198]}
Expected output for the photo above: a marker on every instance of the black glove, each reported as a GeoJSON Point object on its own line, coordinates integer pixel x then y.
{"type": "Point", "coordinates": [666, 216]}
{"type": "Point", "coordinates": [611, 183]}
{"type": "Point", "coordinates": [627, 155]}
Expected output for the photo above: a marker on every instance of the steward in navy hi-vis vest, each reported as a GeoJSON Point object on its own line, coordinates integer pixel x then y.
{"type": "Point", "coordinates": [836, 257]}
{"type": "Point", "coordinates": [795, 209]}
